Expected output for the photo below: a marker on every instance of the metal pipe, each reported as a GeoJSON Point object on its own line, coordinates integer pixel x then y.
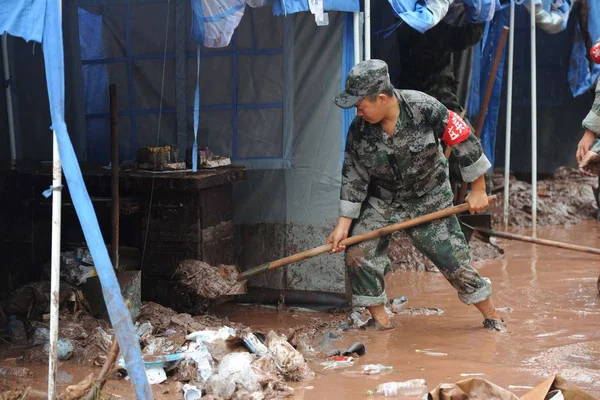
{"type": "Point", "coordinates": [367, 29]}
{"type": "Point", "coordinates": [55, 265]}
{"type": "Point", "coordinates": [114, 178]}
{"type": "Point", "coordinates": [509, 89]}
{"type": "Point", "coordinates": [533, 123]}
{"type": "Point", "coordinates": [9, 104]}
{"type": "Point", "coordinates": [356, 32]}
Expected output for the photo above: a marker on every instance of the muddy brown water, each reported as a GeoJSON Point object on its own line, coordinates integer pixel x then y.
{"type": "Point", "coordinates": [553, 328]}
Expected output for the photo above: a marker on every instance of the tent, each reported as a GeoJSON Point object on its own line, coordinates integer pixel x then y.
{"type": "Point", "coordinates": [265, 101]}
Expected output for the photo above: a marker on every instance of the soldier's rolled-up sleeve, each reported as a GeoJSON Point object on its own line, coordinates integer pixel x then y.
{"type": "Point", "coordinates": [471, 159]}
{"type": "Point", "coordinates": [592, 120]}
{"type": "Point", "coordinates": [355, 182]}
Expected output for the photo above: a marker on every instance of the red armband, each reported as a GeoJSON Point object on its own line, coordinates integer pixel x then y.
{"type": "Point", "coordinates": [456, 131]}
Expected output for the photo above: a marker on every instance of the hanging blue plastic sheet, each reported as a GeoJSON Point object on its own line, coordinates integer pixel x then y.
{"type": "Point", "coordinates": [482, 66]}
{"type": "Point", "coordinates": [284, 7]}
{"type": "Point", "coordinates": [41, 21]}
{"type": "Point", "coordinates": [581, 77]}
{"type": "Point", "coordinates": [214, 21]}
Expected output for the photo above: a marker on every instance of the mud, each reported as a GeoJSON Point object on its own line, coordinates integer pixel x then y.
{"type": "Point", "coordinates": [547, 296]}
{"type": "Point", "coordinates": [567, 197]}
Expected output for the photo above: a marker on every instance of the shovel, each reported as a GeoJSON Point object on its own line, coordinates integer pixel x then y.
{"type": "Point", "coordinates": [377, 233]}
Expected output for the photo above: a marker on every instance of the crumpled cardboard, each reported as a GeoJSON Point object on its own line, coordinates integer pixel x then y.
{"type": "Point", "coordinates": [470, 389]}
{"type": "Point", "coordinates": [569, 390]}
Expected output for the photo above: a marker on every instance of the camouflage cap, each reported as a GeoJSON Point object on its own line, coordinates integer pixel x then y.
{"type": "Point", "coordinates": [365, 79]}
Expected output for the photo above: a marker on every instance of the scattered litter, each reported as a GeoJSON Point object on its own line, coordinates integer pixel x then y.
{"type": "Point", "coordinates": [341, 358]}
{"type": "Point", "coordinates": [375, 369]}
{"type": "Point", "coordinates": [145, 329]}
{"type": "Point", "coordinates": [191, 392]}
{"type": "Point", "coordinates": [199, 354]}
{"type": "Point", "coordinates": [156, 376]}
{"type": "Point", "coordinates": [431, 353]}
{"type": "Point", "coordinates": [396, 304]}
{"type": "Point", "coordinates": [289, 361]}
{"type": "Point", "coordinates": [471, 388]}
{"type": "Point", "coordinates": [16, 330]}
{"type": "Point", "coordinates": [413, 387]}
{"type": "Point", "coordinates": [357, 320]}
{"type": "Point", "coordinates": [235, 370]}
{"type": "Point", "coordinates": [474, 374]}
{"type": "Point", "coordinates": [343, 363]}
{"type": "Point", "coordinates": [15, 372]}
{"type": "Point", "coordinates": [64, 349]}
{"type": "Point", "coordinates": [210, 336]}
{"type": "Point", "coordinates": [255, 345]}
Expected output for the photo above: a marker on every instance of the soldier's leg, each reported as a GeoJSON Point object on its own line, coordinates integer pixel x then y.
{"type": "Point", "coordinates": [367, 264]}
{"type": "Point", "coordinates": [443, 242]}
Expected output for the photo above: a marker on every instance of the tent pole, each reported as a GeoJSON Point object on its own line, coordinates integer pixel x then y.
{"type": "Point", "coordinates": [367, 29]}
{"type": "Point", "coordinates": [9, 104]}
{"type": "Point", "coordinates": [356, 32]}
{"type": "Point", "coordinates": [55, 265]}
{"type": "Point", "coordinates": [55, 254]}
{"type": "Point", "coordinates": [509, 88]}
{"type": "Point", "coordinates": [533, 122]}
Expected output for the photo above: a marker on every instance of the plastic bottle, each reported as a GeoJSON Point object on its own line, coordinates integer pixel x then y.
{"type": "Point", "coordinates": [14, 372]}
{"type": "Point", "coordinates": [16, 330]}
{"type": "Point", "coordinates": [374, 369]}
{"type": "Point", "coordinates": [413, 387]}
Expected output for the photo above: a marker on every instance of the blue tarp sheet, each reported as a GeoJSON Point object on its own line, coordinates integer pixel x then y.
{"type": "Point", "coordinates": [41, 21]}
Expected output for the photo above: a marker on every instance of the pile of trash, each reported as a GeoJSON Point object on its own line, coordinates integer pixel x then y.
{"type": "Point", "coordinates": [567, 197]}
{"type": "Point", "coordinates": [228, 361]}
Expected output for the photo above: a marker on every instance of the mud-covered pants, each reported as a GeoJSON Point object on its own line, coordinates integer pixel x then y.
{"type": "Point", "coordinates": [442, 241]}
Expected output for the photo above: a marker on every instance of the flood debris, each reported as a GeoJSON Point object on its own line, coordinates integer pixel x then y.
{"type": "Point", "coordinates": [413, 387]}
{"type": "Point", "coordinates": [566, 197]}
{"type": "Point", "coordinates": [207, 281]}
{"type": "Point", "coordinates": [290, 362]}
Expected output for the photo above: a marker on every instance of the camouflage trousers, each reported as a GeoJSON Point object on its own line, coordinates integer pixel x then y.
{"type": "Point", "coordinates": [442, 241]}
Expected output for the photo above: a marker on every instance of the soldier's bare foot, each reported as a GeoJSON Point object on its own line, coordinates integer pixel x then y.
{"type": "Point", "coordinates": [379, 314]}
{"type": "Point", "coordinates": [495, 325]}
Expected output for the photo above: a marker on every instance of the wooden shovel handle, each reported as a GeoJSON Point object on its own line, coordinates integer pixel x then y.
{"type": "Point", "coordinates": [386, 230]}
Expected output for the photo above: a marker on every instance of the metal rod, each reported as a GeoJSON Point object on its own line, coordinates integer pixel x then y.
{"type": "Point", "coordinates": [543, 242]}
{"type": "Point", "coordinates": [356, 32]}
{"type": "Point", "coordinates": [55, 265]}
{"type": "Point", "coordinates": [367, 29]}
{"type": "Point", "coordinates": [533, 122]}
{"type": "Point", "coordinates": [114, 179]}
{"type": "Point", "coordinates": [9, 104]}
{"type": "Point", "coordinates": [509, 89]}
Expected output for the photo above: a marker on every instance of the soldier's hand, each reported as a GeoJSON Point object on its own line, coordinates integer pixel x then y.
{"type": "Point", "coordinates": [584, 145]}
{"type": "Point", "coordinates": [477, 201]}
{"type": "Point", "coordinates": [585, 164]}
{"type": "Point", "coordinates": [339, 233]}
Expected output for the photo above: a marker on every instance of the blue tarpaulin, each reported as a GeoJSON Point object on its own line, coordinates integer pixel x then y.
{"type": "Point", "coordinates": [284, 7]}
{"type": "Point", "coordinates": [40, 20]}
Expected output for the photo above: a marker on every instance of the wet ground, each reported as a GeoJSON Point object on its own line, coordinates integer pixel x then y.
{"type": "Point", "coordinates": [549, 299]}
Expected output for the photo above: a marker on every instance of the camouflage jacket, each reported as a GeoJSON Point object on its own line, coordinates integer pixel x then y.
{"type": "Point", "coordinates": [409, 165]}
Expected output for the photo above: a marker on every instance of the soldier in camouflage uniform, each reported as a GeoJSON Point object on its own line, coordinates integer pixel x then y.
{"type": "Point", "coordinates": [588, 148]}
{"type": "Point", "coordinates": [394, 170]}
